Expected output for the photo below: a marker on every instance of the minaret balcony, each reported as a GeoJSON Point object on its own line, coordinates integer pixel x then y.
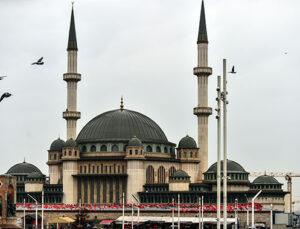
{"type": "Point", "coordinates": [71, 115]}
{"type": "Point", "coordinates": [202, 71]}
{"type": "Point", "coordinates": [202, 111]}
{"type": "Point", "coordinates": [72, 77]}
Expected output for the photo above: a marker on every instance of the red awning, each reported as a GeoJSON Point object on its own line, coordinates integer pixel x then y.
{"type": "Point", "coordinates": [106, 222]}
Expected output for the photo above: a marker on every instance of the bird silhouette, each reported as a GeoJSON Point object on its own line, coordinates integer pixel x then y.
{"type": "Point", "coordinates": [1, 77]}
{"type": "Point", "coordinates": [39, 62]}
{"type": "Point", "coordinates": [5, 95]}
{"type": "Point", "coordinates": [232, 70]}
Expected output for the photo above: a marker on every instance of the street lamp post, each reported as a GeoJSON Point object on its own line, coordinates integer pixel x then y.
{"type": "Point", "coordinates": [138, 208]}
{"type": "Point", "coordinates": [247, 211]}
{"type": "Point", "coordinates": [178, 202]}
{"type": "Point", "coordinates": [235, 213]}
{"type": "Point", "coordinates": [172, 213]}
{"type": "Point", "coordinates": [219, 153]}
{"type": "Point", "coordinates": [224, 96]}
{"type": "Point", "coordinates": [43, 209]}
{"type": "Point", "coordinates": [271, 216]}
{"type": "Point", "coordinates": [252, 206]}
{"type": "Point", "coordinates": [36, 206]}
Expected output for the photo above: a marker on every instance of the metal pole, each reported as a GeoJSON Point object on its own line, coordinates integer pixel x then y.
{"type": "Point", "coordinates": [123, 211]}
{"type": "Point", "coordinates": [252, 206]}
{"type": "Point", "coordinates": [24, 221]}
{"type": "Point", "coordinates": [172, 213]}
{"type": "Point", "coordinates": [132, 215]}
{"type": "Point", "coordinates": [235, 213]}
{"type": "Point", "coordinates": [202, 209]}
{"type": "Point", "coordinates": [43, 209]}
{"type": "Point", "coordinates": [247, 215]}
{"type": "Point", "coordinates": [199, 213]}
{"type": "Point", "coordinates": [224, 144]}
{"type": "Point", "coordinates": [219, 154]}
{"type": "Point", "coordinates": [178, 202]}
{"type": "Point", "coordinates": [36, 205]}
{"type": "Point", "coordinates": [271, 217]}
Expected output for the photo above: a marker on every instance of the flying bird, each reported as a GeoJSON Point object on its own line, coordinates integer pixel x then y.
{"type": "Point", "coordinates": [5, 95]}
{"type": "Point", "coordinates": [1, 77]}
{"type": "Point", "coordinates": [232, 70]}
{"type": "Point", "coordinates": [39, 62]}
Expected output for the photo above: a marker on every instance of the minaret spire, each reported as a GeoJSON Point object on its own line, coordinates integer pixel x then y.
{"type": "Point", "coordinates": [72, 42]}
{"type": "Point", "coordinates": [72, 77]}
{"type": "Point", "coordinates": [202, 111]}
{"type": "Point", "coordinates": [202, 33]}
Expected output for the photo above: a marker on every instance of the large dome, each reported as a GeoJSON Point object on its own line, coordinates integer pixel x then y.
{"type": "Point", "coordinates": [232, 167]}
{"type": "Point", "coordinates": [121, 125]}
{"type": "Point", "coordinates": [265, 179]}
{"type": "Point", "coordinates": [23, 169]}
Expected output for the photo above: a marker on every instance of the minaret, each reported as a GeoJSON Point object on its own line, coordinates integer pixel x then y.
{"type": "Point", "coordinates": [202, 71]}
{"type": "Point", "coordinates": [72, 77]}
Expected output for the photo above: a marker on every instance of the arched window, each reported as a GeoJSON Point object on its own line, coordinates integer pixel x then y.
{"type": "Point", "coordinates": [149, 148]}
{"type": "Point", "coordinates": [54, 156]}
{"type": "Point", "coordinates": [136, 152]}
{"type": "Point", "coordinates": [191, 154]}
{"type": "Point", "coordinates": [93, 148]}
{"type": "Point", "coordinates": [75, 153]}
{"type": "Point", "coordinates": [171, 171]}
{"type": "Point", "coordinates": [115, 148]}
{"type": "Point", "coordinates": [184, 154]}
{"type": "Point", "coordinates": [158, 149]}
{"type": "Point", "coordinates": [141, 152]}
{"type": "Point", "coordinates": [161, 175]}
{"type": "Point", "coordinates": [150, 175]}
{"type": "Point", "coordinates": [103, 148]}
{"type": "Point", "coordinates": [65, 153]}
{"type": "Point", "coordinates": [70, 153]}
{"type": "Point", "coordinates": [84, 149]}
{"type": "Point", "coordinates": [130, 152]}
{"type": "Point", "coordinates": [165, 150]}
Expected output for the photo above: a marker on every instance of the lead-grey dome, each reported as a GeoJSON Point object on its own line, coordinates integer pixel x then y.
{"type": "Point", "coordinates": [23, 169]}
{"type": "Point", "coordinates": [232, 167]}
{"type": "Point", "coordinates": [70, 143]}
{"type": "Point", "coordinates": [135, 142]}
{"type": "Point", "coordinates": [121, 125]}
{"type": "Point", "coordinates": [57, 145]}
{"type": "Point", "coordinates": [187, 142]}
{"type": "Point", "coordinates": [36, 175]}
{"type": "Point", "coordinates": [265, 179]}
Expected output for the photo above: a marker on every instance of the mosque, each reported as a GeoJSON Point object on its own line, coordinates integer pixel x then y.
{"type": "Point", "coordinates": [124, 151]}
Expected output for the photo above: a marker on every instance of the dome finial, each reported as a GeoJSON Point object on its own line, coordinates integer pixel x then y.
{"type": "Point", "coordinates": [265, 173]}
{"type": "Point", "coordinates": [122, 103]}
{"type": "Point", "coordinates": [24, 160]}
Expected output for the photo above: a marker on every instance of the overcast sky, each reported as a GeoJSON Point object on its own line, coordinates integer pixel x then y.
{"type": "Point", "coordinates": [146, 51]}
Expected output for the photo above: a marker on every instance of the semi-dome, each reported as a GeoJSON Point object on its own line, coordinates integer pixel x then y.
{"type": "Point", "coordinates": [232, 167]}
{"type": "Point", "coordinates": [265, 179]}
{"type": "Point", "coordinates": [187, 142]}
{"type": "Point", "coordinates": [23, 169]}
{"type": "Point", "coordinates": [135, 142]}
{"type": "Point", "coordinates": [180, 174]}
{"type": "Point", "coordinates": [36, 175]}
{"type": "Point", "coordinates": [57, 145]}
{"type": "Point", "coordinates": [70, 143]}
{"type": "Point", "coordinates": [121, 125]}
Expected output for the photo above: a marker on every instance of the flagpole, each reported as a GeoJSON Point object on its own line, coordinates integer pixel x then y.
{"type": "Point", "coordinates": [24, 215]}
{"type": "Point", "coordinates": [123, 211]}
{"type": "Point", "coordinates": [199, 216]}
{"type": "Point", "coordinates": [132, 215]}
{"type": "Point", "coordinates": [178, 202]}
{"type": "Point", "coordinates": [202, 199]}
{"type": "Point", "coordinates": [219, 154]}
{"type": "Point", "coordinates": [172, 213]}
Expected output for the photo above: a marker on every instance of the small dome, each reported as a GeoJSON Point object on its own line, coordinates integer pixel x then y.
{"type": "Point", "coordinates": [36, 175]}
{"type": "Point", "coordinates": [57, 145]}
{"type": "Point", "coordinates": [232, 167]}
{"type": "Point", "coordinates": [187, 142]}
{"type": "Point", "coordinates": [23, 169]}
{"type": "Point", "coordinates": [135, 142]}
{"type": "Point", "coordinates": [265, 179]}
{"type": "Point", "coordinates": [180, 173]}
{"type": "Point", "coordinates": [70, 143]}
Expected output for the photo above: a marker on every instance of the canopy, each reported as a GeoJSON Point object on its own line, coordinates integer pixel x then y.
{"type": "Point", "coordinates": [106, 222]}
{"type": "Point", "coordinates": [61, 220]}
